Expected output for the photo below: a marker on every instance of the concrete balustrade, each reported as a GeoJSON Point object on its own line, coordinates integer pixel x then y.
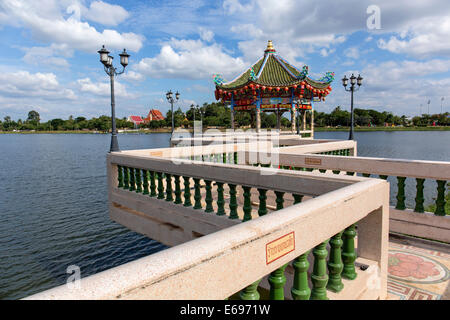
{"type": "Point", "coordinates": [411, 221]}
{"type": "Point", "coordinates": [219, 264]}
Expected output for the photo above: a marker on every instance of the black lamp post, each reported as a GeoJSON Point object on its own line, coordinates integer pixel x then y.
{"type": "Point", "coordinates": [111, 71]}
{"type": "Point", "coordinates": [171, 100]}
{"type": "Point", "coordinates": [193, 110]}
{"type": "Point", "coordinates": [353, 81]}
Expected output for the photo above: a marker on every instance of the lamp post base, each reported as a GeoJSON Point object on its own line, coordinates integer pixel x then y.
{"type": "Point", "coordinates": [114, 143]}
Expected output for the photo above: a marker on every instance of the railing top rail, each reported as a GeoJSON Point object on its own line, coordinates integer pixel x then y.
{"type": "Point", "coordinates": [198, 150]}
{"type": "Point", "coordinates": [306, 183]}
{"type": "Point", "coordinates": [424, 169]}
{"type": "Point", "coordinates": [194, 270]}
{"type": "Point", "coordinates": [320, 146]}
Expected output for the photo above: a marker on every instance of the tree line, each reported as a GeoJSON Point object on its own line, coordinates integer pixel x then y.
{"type": "Point", "coordinates": [217, 114]}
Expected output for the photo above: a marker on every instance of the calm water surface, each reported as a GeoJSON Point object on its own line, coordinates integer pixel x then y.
{"type": "Point", "coordinates": [53, 201]}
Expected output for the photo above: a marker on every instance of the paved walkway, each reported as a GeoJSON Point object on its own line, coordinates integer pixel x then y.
{"type": "Point", "coordinates": [418, 270]}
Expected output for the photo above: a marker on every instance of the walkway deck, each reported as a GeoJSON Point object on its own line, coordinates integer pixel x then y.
{"type": "Point", "coordinates": [418, 269]}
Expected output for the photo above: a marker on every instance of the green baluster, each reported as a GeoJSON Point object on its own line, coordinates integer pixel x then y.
{"type": "Point", "coordinates": [348, 254]}
{"type": "Point", "coordinates": [187, 192]}
{"type": "Point", "coordinates": [137, 173]}
{"type": "Point", "coordinates": [367, 175]}
{"type": "Point", "coordinates": [350, 173]}
{"type": "Point", "coordinates": [120, 176]}
{"type": "Point", "coordinates": [197, 194]}
{"type": "Point", "coordinates": [300, 289]}
{"type": "Point", "coordinates": [247, 204]}
{"type": "Point", "coordinates": [160, 185]}
{"type": "Point", "coordinates": [400, 193]}
{"type": "Point", "coordinates": [279, 200]}
{"type": "Point", "coordinates": [250, 292]}
{"type": "Point", "coordinates": [145, 184]}
{"type": "Point", "coordinates": [277, 280]}
{"type": "Point", "coordinates": [208, 197]}
{"type": "Point", "coordinates": [419, 196]}
{"type": "Point", "coordinates": [169, 191]}
{"type": "Point", "coordinates": [178, 199]}
{"type": "Point", "coordinates": [383, 177]}
{"type": "Point", "coordinates": [319, 277]}
{"type": "Point", "coordinates": [126, 178]}
{"type": "Point", "coordinates": [262, 210]}
{"type": "Point", "coordinates": [336, 171]}
{"type": "Point", "coordinates": [152, 184]}
{"type": "Point", "coordinates": [220, 199]}
{"type": "Point", "coordinates": [297, 198]}
{"type": "Point", "coordinates": [233, 202]}
{"type": "Point", "coordinates": [322, 170]}
{"type": "Point", "coordinates": [440, 200]}
{"type": "Point", "coordinates": [224, 157]}
{"type": "Point", "coordinates": [235, 158]}
{"type": "Point", "coordinates": [335, 265]}
{"type": "Point", "coordinates": [132, 182]}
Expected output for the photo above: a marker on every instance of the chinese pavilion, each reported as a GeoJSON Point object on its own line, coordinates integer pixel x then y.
{"type": "Point", "coordinates": [273, 85]}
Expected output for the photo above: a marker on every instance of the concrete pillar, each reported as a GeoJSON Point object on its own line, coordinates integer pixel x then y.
{"type": "Point", "coordinates": [293, 119]}
{"type": "Point", "coordinates": [312, 123]}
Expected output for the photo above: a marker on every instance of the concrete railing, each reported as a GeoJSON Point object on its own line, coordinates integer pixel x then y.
{"type": "Point", "coordinates": [412, 181]}
{"type": "Point", "coordinates": [220, 264]}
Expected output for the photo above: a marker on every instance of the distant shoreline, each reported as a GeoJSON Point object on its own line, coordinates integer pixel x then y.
{"type": "Point", "coordinates": [168, 130]}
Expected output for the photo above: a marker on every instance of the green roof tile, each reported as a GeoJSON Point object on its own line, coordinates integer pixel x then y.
{"type": "Point", "coordinates": [273, 74]}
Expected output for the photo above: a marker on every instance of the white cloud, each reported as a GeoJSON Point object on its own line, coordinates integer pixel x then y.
{"type": "Point", "coordinates": [190, 59]}
{"type": "Point", "coordinates": [423, 38]}
{"type": "Point", "coordinates": [399, 87]}
{"type": "Point", "coordinates": [105, 13]}
{"type": "Point", "coordinates": [352, 52]}
{"type": "Point", "coordinates": [325, 53]}
{"type": "Point", "coordinates": [206, 35]}
{"type": "Point", "coordinates": [103, 89]}
{"type": "Point", "coordinates": [131, 75]}
{"type": "Point", "coordinates": [22, 84]}
{"type": "Point", "coordinates": [47, 24]}
{"type": "Point", "coordinates": [235, 6]}
{"type": "Point", "coordinates": [50, 55]}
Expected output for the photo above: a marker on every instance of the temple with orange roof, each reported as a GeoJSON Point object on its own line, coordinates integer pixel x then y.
{"type": "Point", "coordinates": [154, 115]}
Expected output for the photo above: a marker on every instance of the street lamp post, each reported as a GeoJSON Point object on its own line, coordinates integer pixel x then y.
{"type": "Point", "coordinates": [171, 100]}
{"type": "Point", "coordinates": [111, 71]}
{"type": "Point", "coordinates": [353, 81]}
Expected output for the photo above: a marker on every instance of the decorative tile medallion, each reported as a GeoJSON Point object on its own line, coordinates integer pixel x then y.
{"type": "Point", "coordinates": [413, 267]}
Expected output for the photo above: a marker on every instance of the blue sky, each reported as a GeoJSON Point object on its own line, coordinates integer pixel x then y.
{"type": "Point", "coordinates": [49, 59]}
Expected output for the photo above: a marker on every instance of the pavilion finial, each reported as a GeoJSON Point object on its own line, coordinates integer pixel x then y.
{"type": "Point", "coordinates": [270, 47]}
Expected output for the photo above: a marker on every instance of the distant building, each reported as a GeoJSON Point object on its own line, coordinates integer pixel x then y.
{"type": "Point", "coordinates": [137, 120]}
{"type": "Point", "coordinates": [153, 115]}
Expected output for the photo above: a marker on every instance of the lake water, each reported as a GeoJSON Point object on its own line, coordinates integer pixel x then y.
{"type": "Point", "coordinates": [53, 201]}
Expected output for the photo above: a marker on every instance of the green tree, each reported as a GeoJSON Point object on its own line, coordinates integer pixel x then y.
{"type": "Point", "coordinates": [33, 116]}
